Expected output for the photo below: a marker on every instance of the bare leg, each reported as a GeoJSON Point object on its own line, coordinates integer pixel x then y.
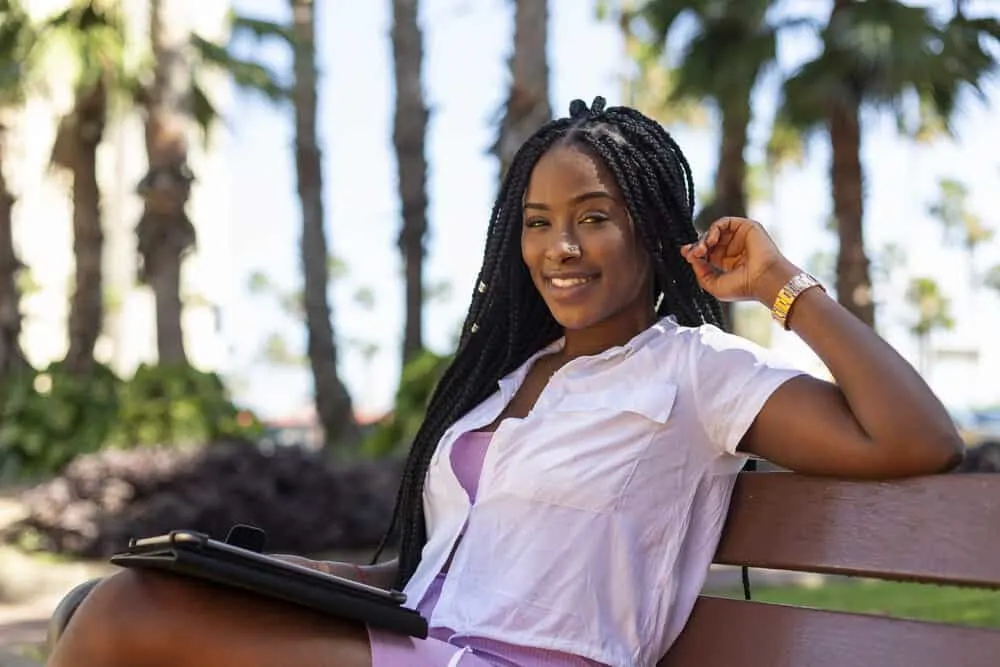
{"type": "Point", "coordinates": [144, 619]}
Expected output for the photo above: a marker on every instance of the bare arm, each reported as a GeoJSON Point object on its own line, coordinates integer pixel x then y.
{"type": "Point", "coordinates": [382, 575]}
{"type": "Point", "coordinates": [879, 420]}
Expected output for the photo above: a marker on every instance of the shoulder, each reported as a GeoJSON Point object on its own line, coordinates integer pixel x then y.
{"type": "Point", "coordinates": [707, 348]}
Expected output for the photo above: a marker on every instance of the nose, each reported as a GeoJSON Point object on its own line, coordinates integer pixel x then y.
{"type": "Point", "coordinates": [564, 248]}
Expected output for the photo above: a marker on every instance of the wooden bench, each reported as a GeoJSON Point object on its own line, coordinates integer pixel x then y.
{"type": "Point", "coordinates": [939, 530]}
{"type": "Point", "coordinates": [943, 529]}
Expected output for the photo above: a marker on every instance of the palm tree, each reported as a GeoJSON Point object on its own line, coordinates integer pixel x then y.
{"type": "Point", "coordinates": [164, 233]}
{"type": "Point", "coordinates": [172, 104]}
{"type": "Point", "coordinates": [649, 81]}
{"type": "Point", "coordinates": [933, 313]}
{"type": "Point", "coordinates": [409, 132]}
{"type": "Point", "coordinates": [881, 54]}
{"type": "Point", "coordinates": [960, 224]}
{"type": "Point", "coordinates": [333, 402]}
{"type": "Point", "coordinates": [17, 36]}
{"type": "Point", "coordinates": [527, 107]}
{"type": "Point", "coordinates": [94, 34]}
{"type": "Point", "coordinates": [731, 44]}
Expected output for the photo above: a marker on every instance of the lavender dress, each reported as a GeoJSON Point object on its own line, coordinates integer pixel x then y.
{"type": "Point", "coordinates": [439, 649]}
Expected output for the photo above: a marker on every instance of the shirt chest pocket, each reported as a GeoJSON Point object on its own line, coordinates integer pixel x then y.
{"type": "Point", "coordinates": [581, 452]}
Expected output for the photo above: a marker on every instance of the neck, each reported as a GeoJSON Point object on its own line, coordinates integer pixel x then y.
{"type": "Point", "coordinates": [612, 332]}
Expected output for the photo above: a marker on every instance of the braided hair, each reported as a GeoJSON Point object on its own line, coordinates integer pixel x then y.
{"type": "Point", "coordinates": [508, 321]}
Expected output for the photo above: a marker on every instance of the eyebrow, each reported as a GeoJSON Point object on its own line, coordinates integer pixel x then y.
{"type": "Point", "coordinates": [575, 200]}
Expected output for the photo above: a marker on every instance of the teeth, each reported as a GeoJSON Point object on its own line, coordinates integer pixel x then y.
{"type": "Point", "coordinates": [569, 282]}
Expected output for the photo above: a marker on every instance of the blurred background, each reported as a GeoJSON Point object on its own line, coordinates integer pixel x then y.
{"type": "Point", "coordinates": [238, 238]}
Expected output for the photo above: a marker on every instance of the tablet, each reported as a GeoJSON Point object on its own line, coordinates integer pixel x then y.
{"type": "Point", "coordinates": [194, 554]}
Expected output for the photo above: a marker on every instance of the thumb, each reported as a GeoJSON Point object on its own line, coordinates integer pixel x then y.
{"type": "Point", "coordinates": [704, 272]}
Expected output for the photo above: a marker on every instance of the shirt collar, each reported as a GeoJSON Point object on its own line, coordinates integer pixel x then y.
{"type": "Point", "coordinates": [511, 382]}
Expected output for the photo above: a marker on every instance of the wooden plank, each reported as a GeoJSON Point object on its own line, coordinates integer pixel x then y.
{"type": "Point", "coordinates": [754, 634]}
{"type": "Point", "coordinates": [941, 529]}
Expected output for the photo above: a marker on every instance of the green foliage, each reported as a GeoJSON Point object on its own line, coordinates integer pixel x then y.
{"type": "Point", "coordinates": [974, 607]}
{"type": "Point", "coordinates": [177, 405]}
{"type": "Point", "coordinates": [396, 432]}
{"type": "Point", "coordinates": [932, 307]}
{"type": "Point", "coordinates": [17, 37]}
{"type": "Point", "coordinates": [48, 417]}
{"type": "Point", "coordinates": [877, 52]}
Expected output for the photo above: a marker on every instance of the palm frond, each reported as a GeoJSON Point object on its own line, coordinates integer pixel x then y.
{"type": "Point", "coordinates": [724, 61]}
{"type": "Point", "coordinates": [203, 111]}
{"type": "Point", "coordinates": [259, 29]}
{"type": "Point", "coordinates": [246, 74]}
{"type": "Point", "coordinates": [17, 39]}
{"type": "Point", "coordinates": [90, 35]}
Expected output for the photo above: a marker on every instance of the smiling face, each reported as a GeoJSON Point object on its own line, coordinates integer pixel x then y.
{"type": "Point", "coordinates": [579, 245]}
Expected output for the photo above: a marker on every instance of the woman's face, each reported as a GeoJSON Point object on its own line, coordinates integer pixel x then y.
{"type": "Point", "coordinates": [579, 244]}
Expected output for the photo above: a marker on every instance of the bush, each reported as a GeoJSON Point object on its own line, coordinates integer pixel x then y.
{"type": "Point", "coordinates": [419, 378]}
{"type": "Point", "coordinates": [304, 502]}
{"type": "Point", "coordinates": [180, 406]}
{"type": "Point", "coordinates": [48, 417]}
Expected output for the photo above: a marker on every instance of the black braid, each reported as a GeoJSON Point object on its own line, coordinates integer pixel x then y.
{"type": "Point", "coordinates": [508, 321]}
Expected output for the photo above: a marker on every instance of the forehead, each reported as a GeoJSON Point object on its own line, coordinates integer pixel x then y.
{"type": "Point", "coordinates": [566, 171]}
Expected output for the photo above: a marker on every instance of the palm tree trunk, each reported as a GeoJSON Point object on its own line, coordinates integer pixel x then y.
{"type": "Point", "coordinates": [410, 129]}
{"type": "Point", "coordinates": [730, 197]}
{"type": "Point", "coordinates": [333, 402]}
{"type": "Point", "coordinates": [164, 233]}
{"type": "Point", "coordinates": [853, 284]}
{"type": "Point", "coordinates": [730, 176]}
{"type": "Point", "coordinates": [527, 106]}
{"type": "Point", "coordinates": [854, 288]}
{"type": "Point", "coordinates": [11, 355]}
{"type": "Point", "coordinates": [86, 315]}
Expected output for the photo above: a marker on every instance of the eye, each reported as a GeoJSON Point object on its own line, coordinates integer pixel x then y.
{"type": "Point", "coordinates": [535, 222]}
{"type": "Point", "coordinates": [592, 218]}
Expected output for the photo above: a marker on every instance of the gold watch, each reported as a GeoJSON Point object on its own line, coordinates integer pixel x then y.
{"type": "Point", "coordinates": [789, 293]}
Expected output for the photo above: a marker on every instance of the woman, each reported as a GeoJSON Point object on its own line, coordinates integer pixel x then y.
{"type": "Point", "coordinates": [562, 502]}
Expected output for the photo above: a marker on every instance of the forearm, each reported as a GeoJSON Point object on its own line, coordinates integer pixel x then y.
{"type": "Point", "coordinates": [888, 398]}
{"type": "Point", "coordinates": [382, 575]}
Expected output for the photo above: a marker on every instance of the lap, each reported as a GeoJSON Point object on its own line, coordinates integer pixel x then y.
{"type": "Point", "coordinates": [392, 650]}
{"type": "Point", "coordinates": [145, 618]}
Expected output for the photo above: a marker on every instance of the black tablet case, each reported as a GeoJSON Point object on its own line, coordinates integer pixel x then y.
{"type": "Point", "coordinates": [312, 590]}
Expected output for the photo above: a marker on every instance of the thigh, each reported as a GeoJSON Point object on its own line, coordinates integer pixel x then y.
{"type": "Point", "coordinates": [392, 650]}
{"type": "Point", "coordinates": [145, 619]}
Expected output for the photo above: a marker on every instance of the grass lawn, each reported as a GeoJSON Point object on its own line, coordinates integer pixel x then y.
{"type": "Point", "coordinates": [962, 606]}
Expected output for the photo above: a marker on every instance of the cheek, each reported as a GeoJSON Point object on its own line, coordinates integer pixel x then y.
{"type": "Point", "coordinates": [531, 253]}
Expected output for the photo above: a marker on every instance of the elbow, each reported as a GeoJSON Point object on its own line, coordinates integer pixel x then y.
{"type": "Point", "coordinates": [945, 453]}
{"type": "Point", "coordinates": [928, 455]}
{"type": "Point", "coordinates": [953, 454]}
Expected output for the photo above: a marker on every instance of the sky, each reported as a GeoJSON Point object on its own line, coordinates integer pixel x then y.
{"type": "Point", "coordinates": [465, 81]}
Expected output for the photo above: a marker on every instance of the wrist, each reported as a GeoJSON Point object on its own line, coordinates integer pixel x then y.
{"type": "Point", "coordinates": [772, 280]}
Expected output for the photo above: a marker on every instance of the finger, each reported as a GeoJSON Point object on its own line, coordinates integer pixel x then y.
{"type": "Point", "coordinates": [713, 236]}
{"type": "Point", "coordinates": [704, 272]}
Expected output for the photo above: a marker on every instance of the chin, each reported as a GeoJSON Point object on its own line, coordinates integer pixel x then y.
{"type": "Point", "coordinates": [575, 321]}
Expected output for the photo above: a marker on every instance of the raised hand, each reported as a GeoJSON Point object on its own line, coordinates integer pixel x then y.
{"type": "Point", "coordinates": [736, 260]}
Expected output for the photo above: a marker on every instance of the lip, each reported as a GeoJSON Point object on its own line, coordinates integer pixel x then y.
{"type": "Point", "coordinates": [570, 292]}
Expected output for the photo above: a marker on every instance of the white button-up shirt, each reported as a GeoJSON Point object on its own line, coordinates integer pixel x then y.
{"type": "Point", "coordinates": [598, 514]}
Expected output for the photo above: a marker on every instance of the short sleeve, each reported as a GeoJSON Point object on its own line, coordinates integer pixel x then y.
{"type": "Point", "coordinates": [732, 378]}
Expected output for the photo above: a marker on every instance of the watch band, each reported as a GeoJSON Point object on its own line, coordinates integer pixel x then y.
{"type": "Point", "coordinates": [789, 293]}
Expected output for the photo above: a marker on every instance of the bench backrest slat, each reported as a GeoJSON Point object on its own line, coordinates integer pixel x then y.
{"type": "Point", "coordinates": [940, 529]}
{"type": "Point", "coordinates": [755, 634]}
